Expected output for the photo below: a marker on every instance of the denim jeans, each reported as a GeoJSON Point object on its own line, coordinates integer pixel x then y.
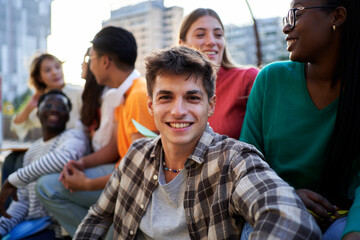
{"type": "Point", "coordinates": [69, 208]}
{"type": "Point", "coordinates": [247, 229]}
{"type": "Point", "coordinates": [334, 232]}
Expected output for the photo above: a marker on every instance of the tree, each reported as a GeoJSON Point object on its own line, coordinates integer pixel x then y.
{"type": "Point", "coordinates": [257, 38]}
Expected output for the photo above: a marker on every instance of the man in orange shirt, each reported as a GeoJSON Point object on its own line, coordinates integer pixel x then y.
{"type": "Point", "coordinates": [113, 56]}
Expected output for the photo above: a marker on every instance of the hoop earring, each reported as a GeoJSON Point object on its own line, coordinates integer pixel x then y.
{"type": "Point", "coordinates": [334, 28]}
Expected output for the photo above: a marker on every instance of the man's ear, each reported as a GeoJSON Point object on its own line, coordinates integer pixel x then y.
{"type": "Point", "coordinates": [340, 16]}
{"type": "Point", "coordinates": [150, 106]}
{"type": "Point", "coordinates": [106, 61]}
{"type": "Point", "coordinates": [212, 103]}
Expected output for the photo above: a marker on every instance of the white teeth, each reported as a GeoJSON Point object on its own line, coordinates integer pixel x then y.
{"type": "Point", "coordinates": [289, 42]}
{"type": "Point", "coordinates": [53, 117]}
{"type": "Point", "coordinates": [179, 125]}
{"type": "Point", "coordinates": [210, 53]}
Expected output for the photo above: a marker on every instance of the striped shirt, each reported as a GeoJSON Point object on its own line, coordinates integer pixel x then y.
{"type": "Point", "coordinates": [72, 144]}
{"type": "Point", "coordinates": [43, 157]}
{"type": "Point", "coordinates": [227, 183]}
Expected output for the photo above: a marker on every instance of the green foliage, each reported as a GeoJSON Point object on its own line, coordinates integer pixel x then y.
{"type": "Point", "coordinates": [20, 101]}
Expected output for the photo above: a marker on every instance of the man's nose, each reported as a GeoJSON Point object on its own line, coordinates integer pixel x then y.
{"type": "Point", "coordinates": [179, 108]}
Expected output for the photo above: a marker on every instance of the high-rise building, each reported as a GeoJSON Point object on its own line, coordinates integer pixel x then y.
{"type": "Point", "coordinates": [242, 44]}
{"type": "Point", "coordinates": [153, 25]}
{"type": "Point", "coordinates": [24, 28]}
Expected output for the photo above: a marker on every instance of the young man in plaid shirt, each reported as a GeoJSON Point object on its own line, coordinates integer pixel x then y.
{"type": "Point", "coordinates": [191, 183]}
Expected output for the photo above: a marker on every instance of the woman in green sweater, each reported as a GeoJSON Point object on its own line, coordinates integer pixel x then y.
{"type": "Point", "coordinates": [304, 114]}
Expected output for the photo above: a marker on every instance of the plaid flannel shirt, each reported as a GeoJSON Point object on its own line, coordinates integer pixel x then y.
{"type": "Point", "coordinates": [227, 183]}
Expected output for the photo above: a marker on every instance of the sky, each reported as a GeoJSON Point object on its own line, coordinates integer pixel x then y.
{"type": "Point", "coordinates": [74, 23]}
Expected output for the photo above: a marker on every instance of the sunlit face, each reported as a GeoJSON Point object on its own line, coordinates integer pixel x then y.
{"type": "Point", "coordinates": [207, 35]}
{"type": "Point", "coordinates": [96, 67]}
{"type": "Point", "coordinates": [180, 108]}
{"type": "Point", "coordinates": [51, 74]}
{"type": "Point", "coordinates": [84, 67]}
{"type": "Point", "coordinates": [312, 37]}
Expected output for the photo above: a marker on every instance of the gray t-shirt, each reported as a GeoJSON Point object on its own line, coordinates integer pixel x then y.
{"type": "Point", "coordinates": [165, 215]}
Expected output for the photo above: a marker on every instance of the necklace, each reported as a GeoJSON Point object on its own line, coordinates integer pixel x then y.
{"type": "Point", "coordinates": [171, 170]}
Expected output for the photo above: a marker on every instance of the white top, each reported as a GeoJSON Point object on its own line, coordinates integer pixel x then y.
{"type": "Point", "coordinates": [73, 92]}
{"type": "Point", "coordinates": [111, 98]}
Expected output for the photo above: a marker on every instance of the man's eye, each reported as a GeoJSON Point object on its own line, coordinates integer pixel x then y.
{"type": "Point", "coordinates": [298, 14]}
{"type": "Point", "coordinates": [193, 98]}
{"type": "Point", "coordinates": [164, 97]}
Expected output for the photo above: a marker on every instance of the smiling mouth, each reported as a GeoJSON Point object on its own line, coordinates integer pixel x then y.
{"type": "Point", "coordinates": [290, 41]}
{"type": "Point", "coordinates": [53, 117]}
{"type": "Point", "coordinates": [210, 52]}
{"type": "Point", "coordinates": [179, 125]}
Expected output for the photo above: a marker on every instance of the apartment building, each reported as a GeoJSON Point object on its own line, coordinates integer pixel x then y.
{"type": "Point", "coordinates": [153, 25]}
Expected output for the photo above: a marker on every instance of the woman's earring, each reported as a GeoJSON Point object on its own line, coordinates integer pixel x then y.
{"type": "Point", "coordinates": [334, 28]}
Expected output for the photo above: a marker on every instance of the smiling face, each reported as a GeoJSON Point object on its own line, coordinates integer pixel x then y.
{"type": "Point", "coordinates": [207, 35]}
{"type": "Point", "coordinates": [53, 113]}
{"type": "Point", "coordinates": [312, 37]}
{"type": "Point", "coordinates": [51, 74]}
{"type": "Point", "coordinates": [180, 108]}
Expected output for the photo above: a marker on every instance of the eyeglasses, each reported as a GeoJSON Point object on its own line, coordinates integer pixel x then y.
{"type": "Point", "coordinates": [290, 19]}
{"type": "Point", "coordinates": [87, 58]}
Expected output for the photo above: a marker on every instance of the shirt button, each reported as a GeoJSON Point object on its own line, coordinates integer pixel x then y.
{"type": "Point", "coordinates": [142, 206]}
{"type": "Point", "coordinates": [155, 177]}
{"type": "Point", "coordinates": [131, 232]}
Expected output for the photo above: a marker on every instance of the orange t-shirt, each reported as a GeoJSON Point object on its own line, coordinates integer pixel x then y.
{"type": "Point", "coordinates": [134, 107]}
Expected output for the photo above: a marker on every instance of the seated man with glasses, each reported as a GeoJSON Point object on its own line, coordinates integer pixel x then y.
{"type": "Point", "coordinates": [46, 155]}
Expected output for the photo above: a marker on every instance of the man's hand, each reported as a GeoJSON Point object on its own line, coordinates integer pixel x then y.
{"type": "Point", "coordinates": [80, 165]}
{"type": "Point", "coordinates": [318, 205]}
{"type": "Point", "coordinates": [7, 190]}
{"type": "Point", "coordinates": [73, 179]}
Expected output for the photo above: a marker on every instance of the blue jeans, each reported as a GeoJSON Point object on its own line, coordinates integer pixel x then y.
{"type": "Point", "coordinates": [334, 232]}
{"type": "Point", "coordinates": [69, 208]}
{"type": "Point", "coordinates": [247, 229]}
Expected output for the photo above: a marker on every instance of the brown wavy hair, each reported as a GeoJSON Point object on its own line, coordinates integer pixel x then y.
{"type": "Point", "coordinates": [35, 79]}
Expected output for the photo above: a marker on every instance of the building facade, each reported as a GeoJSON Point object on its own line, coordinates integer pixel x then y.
{"type": "Point", "coordinates": [242, 43]}
{"type": "Point", "coordinates": [24, 28]}
{"type": "Point", "coordinates": [153, 25]}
